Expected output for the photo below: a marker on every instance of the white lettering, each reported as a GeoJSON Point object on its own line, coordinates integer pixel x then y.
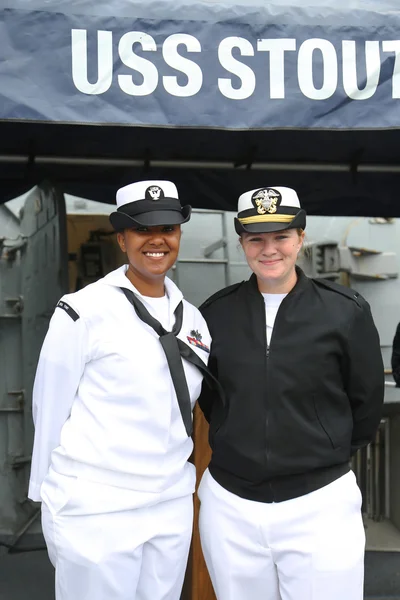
{"type": "Point", "coordinates": [188, 67]}
{"type": "Point", "coordinates": [245, 74]}
{"type": "Point", "coordinates": [394, 46]}
{"type": "Point", "coordinates": [277, 49]}
{"type": "Point", "coordinates": [305, 69]}
{"type": "Point", "coordinates": [80, 61]}
{"type": "Point", "coordinates": [137, 63]}
{"type": "Point", "coordinates": [373, 67]}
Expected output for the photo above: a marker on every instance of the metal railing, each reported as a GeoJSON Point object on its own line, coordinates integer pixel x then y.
{"type": "Point", "coordinates": [371, 467]}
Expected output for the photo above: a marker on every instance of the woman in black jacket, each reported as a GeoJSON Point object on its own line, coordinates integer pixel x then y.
{"type": "Point", "coordinates": [300, 362]}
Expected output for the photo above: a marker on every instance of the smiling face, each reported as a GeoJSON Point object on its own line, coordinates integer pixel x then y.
{"type": "Point", "coordinates": [272, 257]}
{"type": "Point", "coordinates": [151, 251]}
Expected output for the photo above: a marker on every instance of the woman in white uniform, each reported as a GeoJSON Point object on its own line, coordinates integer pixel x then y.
{"type": "Point", "coordinates": [112, 408]}
{"type": "Point", "coordinates": [301, 366]}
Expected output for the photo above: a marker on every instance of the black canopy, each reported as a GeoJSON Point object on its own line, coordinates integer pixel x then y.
{"type": "Point", "coordinates": [218, 97]}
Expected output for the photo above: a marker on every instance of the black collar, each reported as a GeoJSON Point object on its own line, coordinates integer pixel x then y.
{"type": "Point", "coordinates": [301, 284]}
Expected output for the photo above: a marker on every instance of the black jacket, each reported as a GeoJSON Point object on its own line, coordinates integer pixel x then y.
{"type": "Point", "coordinates": [292, 419]}
{"type": "Point", "coordinates": [396, 357]}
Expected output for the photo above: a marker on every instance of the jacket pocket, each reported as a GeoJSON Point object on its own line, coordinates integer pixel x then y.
{"type": "Point", "coordinates": [219, 416]}
{"type": "Point", "coordinates": [323, 424]}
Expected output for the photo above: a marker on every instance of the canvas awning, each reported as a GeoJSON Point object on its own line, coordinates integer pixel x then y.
{"type": "Point", "coordinates": [219, 97]}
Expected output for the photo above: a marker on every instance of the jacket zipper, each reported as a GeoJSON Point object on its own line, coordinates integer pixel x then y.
{"type": "Point", "coordinates": [266, 355]}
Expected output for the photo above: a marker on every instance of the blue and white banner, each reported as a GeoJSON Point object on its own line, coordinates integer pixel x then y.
{"type": "Point", "coordinates": [252, 71]}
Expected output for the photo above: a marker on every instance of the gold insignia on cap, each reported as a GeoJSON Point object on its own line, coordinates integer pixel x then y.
{"type": "Point", "coordinates": [267, 219]}
{"type": "Point", "coordinates": [266, 200]}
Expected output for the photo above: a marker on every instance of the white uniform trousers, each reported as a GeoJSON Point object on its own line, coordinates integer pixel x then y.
{"type": "Point", "coordinates": [308, 548]}
{"type": "Point", "coordinates": [136, 554]}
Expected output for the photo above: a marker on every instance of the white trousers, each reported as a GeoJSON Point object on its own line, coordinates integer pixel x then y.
{"type": "Point", "coordinates": [308, 548]}
{"type": "Point", "coordinates": [137, 554]}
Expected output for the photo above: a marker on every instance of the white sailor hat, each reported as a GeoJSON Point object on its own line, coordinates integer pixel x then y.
{"type": "Point", "coordinates": [269, 209]}
{"type": "Point", "coordinates": [149, 203]}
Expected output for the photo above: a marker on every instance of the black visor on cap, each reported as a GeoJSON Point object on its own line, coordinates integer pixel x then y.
{"type": "Point", "coordinates": [120, 220]}
{"type": "Point", "coordinates": [299, 222]}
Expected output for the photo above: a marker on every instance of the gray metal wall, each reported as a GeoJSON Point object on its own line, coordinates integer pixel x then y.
{"type": "Point", "coordinates": [374, 234]}
{"type": "Point", "coordinates": [210, 258]}
{"type": "Point", "coordinates": [33, 276]}
{"type": "Point", "coordinates": [11, 386]}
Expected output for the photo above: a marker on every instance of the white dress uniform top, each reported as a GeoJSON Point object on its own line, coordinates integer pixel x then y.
{"type": "Point", "coordinates": [110, 457]}
{"type": "Point", "coordinates": [104, 406]}
{"type": "Point", "coordinates": [111, 447]}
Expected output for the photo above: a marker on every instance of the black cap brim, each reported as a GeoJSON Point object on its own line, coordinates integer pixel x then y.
{"type": "Point", "coordinates": [299, 222]}
{"type": "Point", "coordinates": [120, 220]}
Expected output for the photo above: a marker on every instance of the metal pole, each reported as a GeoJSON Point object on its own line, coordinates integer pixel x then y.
{"type": "Point", "coordinates": [226, 253]}
{"type": "Point", "coordinates": [377, 479]}
{"type": "Point", "coordinates": [211, 261]}
{"type": "Point", "coordinates": [369, 486]}
{"type": "Point", "coordinates": [387, 468]}
{"type": "Point", "coordinates": [196, 164]}
{"type": "Point", "coordinates": [16, 537]}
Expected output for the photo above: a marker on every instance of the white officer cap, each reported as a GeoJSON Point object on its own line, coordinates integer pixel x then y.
{"type": "Point", "coordinates": [149, 203]}
{"type": "Point", "coordinates": [269, 209]}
